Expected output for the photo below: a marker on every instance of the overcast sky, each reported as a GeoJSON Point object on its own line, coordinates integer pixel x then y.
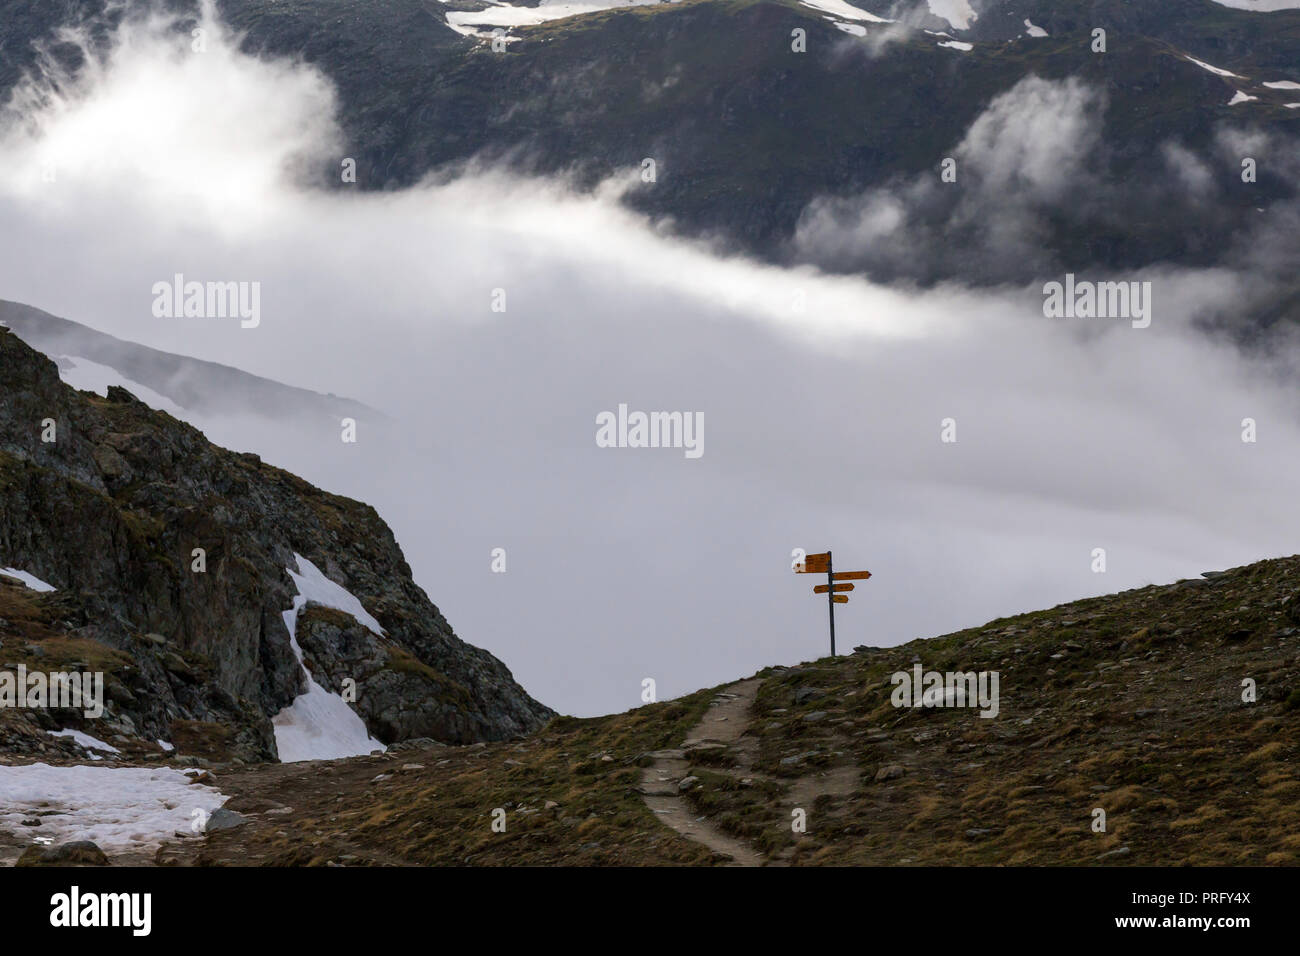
{"type": "Point", "coordinates": [821, 425]}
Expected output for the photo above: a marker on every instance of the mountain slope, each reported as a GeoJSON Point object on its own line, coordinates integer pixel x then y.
{"type": "Point", "coordinates": [196, 386]}
{"type": "Point", "coordinates": [1131, 704]}
{"type": "Point", "coordinates": [748, 135]}
{"type": "Point", "coordinates": [111, 512]}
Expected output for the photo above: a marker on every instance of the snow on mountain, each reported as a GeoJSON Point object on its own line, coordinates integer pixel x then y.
{"type": "Point", "coordinates": [846, 10]}
{"type": "Point", "coordinates": [31, 580]}
{"type": "Point", "coordinates": [319, 725]}
{"type": "Point", "coordinates": [83, 739]}
{"type": "Point", "coordinates": [89, 376]}
{"type": "Point", "coordinates": [482, 22]}
{"type": "Point", "coordinates": [1260, 6]}
{"type": "Point", "coordinates": [1214, 69]}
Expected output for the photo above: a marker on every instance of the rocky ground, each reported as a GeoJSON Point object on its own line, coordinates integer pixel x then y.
{"type": "Point", "coordinates": [1131, 704]}
{"type": "Point", "coordinates": [111, 503]}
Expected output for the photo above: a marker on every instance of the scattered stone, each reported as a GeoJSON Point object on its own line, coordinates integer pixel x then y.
{"type": "Point", "coordinates": [698, 746]}
{"type": "Point", "coordinates": [667, 754]}
{"type": "Point", "coordinates": [415, 743]}
{"type": "Point", "coordinates": [890, 772]}
{"type": "Point", "coordinates": [77, 853]}
{"type": "Point", "coordinates": [1122, 851]}
{"type": "Point", "coordinates": [223, 819]}
{"type": "Point", "coordinates": [688, 782]}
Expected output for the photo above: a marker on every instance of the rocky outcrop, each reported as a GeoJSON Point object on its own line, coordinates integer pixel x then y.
{"type": "Point", "coordinates": [169, 554]}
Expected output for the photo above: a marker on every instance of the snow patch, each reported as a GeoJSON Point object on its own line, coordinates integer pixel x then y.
{"type": "Point", "coordinates": [1260, 6]}
{"type": "Point", "coordinates": [957, 45]}
{"type": "Point", "coordinates": [481, 22]}
{"type": "Point", "coordinates": [166, 746]}
{"type": "Point", "coordinates": [85, 740]}
{"type": "Point", "coordinates": [1214, 69]}
{"type": "Point", "coordinates": [841, 9]}
{"type": "Point", "coordinates": [88, 376]}
{"type": "Point", "coordinates": [857, 29]}
{"type": "Point", "coordinates": [31, 580]}
{"type": "Point", "coordinates": [1283, 85]}
{"type": "Point", "coordinates": [319, 725]}
{"type": "Point", "coordinates": [958, 13]}
{"type": "Point", "coordinates": [118, 808]}
{"type": "Point", "coordinates": [1034, 31]}
{"type": "Point", "coordinates": [1241, 98]}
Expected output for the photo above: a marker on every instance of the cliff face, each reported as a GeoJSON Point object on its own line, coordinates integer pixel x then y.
{"type": "Point", "coordinates": [111, 513]}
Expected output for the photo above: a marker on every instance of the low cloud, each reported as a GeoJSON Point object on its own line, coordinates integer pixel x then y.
{"type": "Point", "coordinates": [1030, 148]}
{"type": "Point", "coordinates": [822, 396]}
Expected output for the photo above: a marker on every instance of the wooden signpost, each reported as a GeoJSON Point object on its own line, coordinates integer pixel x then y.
{"type": "Point", "coordinates": [821, 563]}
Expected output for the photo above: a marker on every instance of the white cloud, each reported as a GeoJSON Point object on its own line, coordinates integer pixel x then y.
{"type": "Point", "coordinates": [823, 425]}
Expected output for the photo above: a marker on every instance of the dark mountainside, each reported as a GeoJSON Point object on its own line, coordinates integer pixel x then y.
{"type": "Point", "coordinates": [747, 135]}
{"type": "Point", "coordinates": [206, 388]}
{"type": "Point", "coordinates": [109, 514]}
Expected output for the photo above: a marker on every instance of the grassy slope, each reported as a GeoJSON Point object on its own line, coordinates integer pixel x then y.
{"type": "Point", "coordinates": [1130, 703]}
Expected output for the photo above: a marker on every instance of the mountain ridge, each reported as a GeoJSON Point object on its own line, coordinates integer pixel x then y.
{"type": "Point", "coordinates": [110, 513]}
{"type": "Point", "coordinates": [198, 385]}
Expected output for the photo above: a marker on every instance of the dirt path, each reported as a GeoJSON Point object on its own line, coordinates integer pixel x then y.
{"type": "Point", "coordinates": [723, 725]}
